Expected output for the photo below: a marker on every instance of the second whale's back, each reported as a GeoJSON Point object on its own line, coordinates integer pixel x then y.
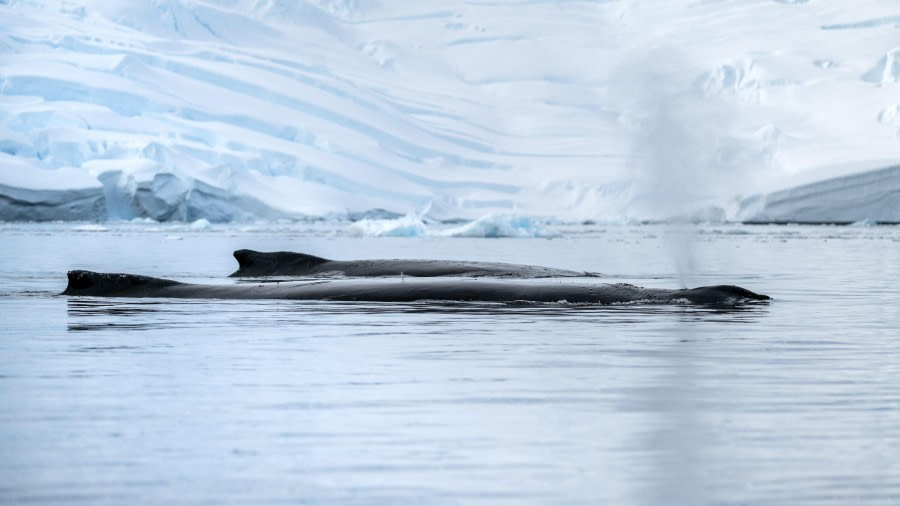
{"type": "Point", "coordinates": [278, 263]}
{"type": "Point", "coordinates": [287, 263]}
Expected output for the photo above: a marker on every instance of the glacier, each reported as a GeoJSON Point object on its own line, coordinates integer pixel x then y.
{"type": "Point", "coordinates": [511, 112]}
{"type": "Point", "coordinates": [871, 196]}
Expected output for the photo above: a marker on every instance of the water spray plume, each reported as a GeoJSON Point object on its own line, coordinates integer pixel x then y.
{"type": "Point", "coordinates": [676, 131]}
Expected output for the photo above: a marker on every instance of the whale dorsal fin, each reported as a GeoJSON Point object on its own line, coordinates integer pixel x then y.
{"type": "Point", "coordinates": [277, 263]}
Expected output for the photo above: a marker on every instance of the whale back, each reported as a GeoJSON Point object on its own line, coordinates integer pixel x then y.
{"type": "Point", "coordinates": [404, 290]}
{"type": "Point", "coordinates": [106, 284]}
{"type": "Point", "coordinates": [277, 263]}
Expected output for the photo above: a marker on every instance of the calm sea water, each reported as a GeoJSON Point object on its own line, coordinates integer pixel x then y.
{"type": "Point", "coordinates": [147, 401]}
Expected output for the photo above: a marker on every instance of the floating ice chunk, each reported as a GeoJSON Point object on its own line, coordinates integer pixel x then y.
{"type": "Point", "coordinates": [501, 225]}
{"type": "Point", "coordinates": [410, 225]}
{"type": "Point", "coordinates": [201, 224]}
{"type": "Point", "coordinates": [90, 228]}
{"type": "Point", "coordinates": [492, 226]}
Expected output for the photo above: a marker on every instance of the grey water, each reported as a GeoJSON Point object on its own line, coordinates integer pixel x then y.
{"type": "Point", "coordinates": [151, 401]}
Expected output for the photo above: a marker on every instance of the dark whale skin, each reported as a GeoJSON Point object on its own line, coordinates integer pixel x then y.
{"type": "Point", "coordinates": [286, 263]}
{"type": "Point", "coordinates": [87, 283]}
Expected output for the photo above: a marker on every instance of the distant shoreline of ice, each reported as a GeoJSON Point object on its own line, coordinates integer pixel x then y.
{"type": "Point", "coordinates": [872, 196]}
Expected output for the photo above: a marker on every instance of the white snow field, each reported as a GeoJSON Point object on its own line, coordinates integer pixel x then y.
{"type": "Point", "coordinates": [450, 110]}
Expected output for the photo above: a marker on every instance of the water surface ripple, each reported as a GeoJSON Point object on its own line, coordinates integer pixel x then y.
{"type": "Point", "coordinates": [114, 401]}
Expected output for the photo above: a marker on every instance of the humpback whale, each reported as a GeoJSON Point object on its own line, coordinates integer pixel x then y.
{"type": "Point", "coordinates": [286, 263]}
{"type": "Point", "coordinates": [89, 283]}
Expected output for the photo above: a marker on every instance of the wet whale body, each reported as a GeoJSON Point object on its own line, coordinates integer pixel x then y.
{"type": "Point", "coordinates": [87, 283]}
{"type": "Point", "coordinates": [286, 263]}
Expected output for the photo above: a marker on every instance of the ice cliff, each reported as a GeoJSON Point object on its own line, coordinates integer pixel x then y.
{"type": "Point", "coordinates": [865, 197]}
{"type": "Point", "coordinates": [609, 111]}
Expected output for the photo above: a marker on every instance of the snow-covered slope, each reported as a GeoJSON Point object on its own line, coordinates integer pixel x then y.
{"type": "Point", "coordinates": [603, 110]}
